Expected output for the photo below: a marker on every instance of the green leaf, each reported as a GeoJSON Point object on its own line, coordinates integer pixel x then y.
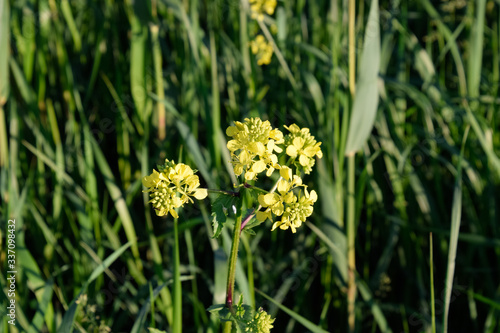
{"type": "Point", "coordinates": [223, 206]}
{"type": "Point", "coordinates": [155, 330]}
{"type": "Point", "coordinates": [216, 307]}
{"type": "Point", "coordinates": [365, 104]}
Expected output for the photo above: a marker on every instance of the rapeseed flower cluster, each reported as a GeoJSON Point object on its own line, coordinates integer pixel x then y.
{"type": "Point", "coordinates": [254, 148]}
{"type": "Point", "coordinates": [293, 209]}
{"type": "Point", "coordinates": [260, 46]}
{"type": "Point", "coordinates": [261, 322]}
{"type": "Point", "coordinates": [262, 49]}
{"type": "Point", "coordinates": [172, 187]}
{"type": "Point", "coordinates": [259, 7]}
{"type": "Point", "coordinates": [302, 147]}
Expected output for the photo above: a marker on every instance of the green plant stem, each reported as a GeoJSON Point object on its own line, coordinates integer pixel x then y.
{"type": "Point", "coordinates": [231, 272]}
{"type": "Point", "coordinates": [227, 327]}
{"type": "Point", "coordinates": [351, 203]}
{"type": "Point", "coordinates": [351, 257]}
{"type": "Point", "coordinates": [234, 194]}
{"type": "Point", "coordinates": [177, 322]}
{"type": "Point", "coordinates": [433, 307]}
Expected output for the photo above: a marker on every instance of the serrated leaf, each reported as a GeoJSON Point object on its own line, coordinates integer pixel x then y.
{"type": "Point", "coordinates": [223, 206]}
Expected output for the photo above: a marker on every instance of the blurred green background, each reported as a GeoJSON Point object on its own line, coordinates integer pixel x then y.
{"type": "Point", "coordinates": [94, 94]}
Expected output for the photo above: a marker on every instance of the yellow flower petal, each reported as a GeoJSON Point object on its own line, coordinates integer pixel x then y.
{"type": "Point", "coordinates": [245, 158]}
{"type": "Point", "coordinates": [275, 225]}
{"type": "Point", "coordinates": [278, 209]}
{"type": "Point", "coordinates": [231, 131]}
{"type": "Point", "coordinates": [201, 193]}
{"type": "Point", "coordinates": [232, 145]}
{"type": "Point", "coordinates": [250, 175]}
{"type": "Point", "coordinates": [174, 213]}
{"type": "Point", "coordinates": [303, 160]}
{"type": "Point", "coordinates": [298, 142]}
{"type": "Point", "coordinates": [263, 215]}
{"type": "Point", "coordinates": [151, 180]}
{"type": "Point", "coordinates": [259, 166]}
{"type": "Point", "coordinates": [283, 186]}
{"type": "Point", "coordinates": [313, 196]}
{"type": "Point", "coordinates": [286, 172]}
{"type": "Point", "coordinates": [310, 151]}
{"type": "Point", "coordinates": [238, 169]}
{"type": "Point", "coordinates": [257, 148]}
{"type": "Point", "coordinates": [291, 151]}
{"type": "Point", "coordinates": [267, 200]}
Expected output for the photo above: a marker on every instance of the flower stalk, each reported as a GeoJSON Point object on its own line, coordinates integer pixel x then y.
{"type": "Point", "coordinates": [231, 270]}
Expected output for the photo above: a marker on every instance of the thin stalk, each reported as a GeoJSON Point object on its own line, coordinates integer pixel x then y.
{"type": "Point", "coordinates": [177, 322]}
{"type": "Point", "coordinates": [231, 272]}
{"type": "Point", "coordinates": [231, 193]}
{"type": "Point", "coordinates": [433, 307]}
{"type": "Point", "coordinates": [351, 200]}
{"type": "Point", "coordinates": [160, 91]}
{"type": "Point", "coordinates": [351, 255]}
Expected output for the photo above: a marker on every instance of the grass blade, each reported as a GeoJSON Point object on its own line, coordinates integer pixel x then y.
{"type": "Point", "coordinates": [120, 205]}
{"type": "Point", "coordinates": [4, 77]}
{"type": "Point", "coordinates": [365, 102]}
{"type": "Point", "coordinates": [69, 316]}
{"type": "Point", "coordinates": [303, 321]}
{"type": "Point", "coordinates": [456, 217]}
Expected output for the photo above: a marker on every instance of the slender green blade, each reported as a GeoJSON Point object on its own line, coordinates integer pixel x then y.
{"type": "Point", "coordinates": [69, 316]}
{"type": "Point", "coordinates": [456, 218]}
{"type": "Point", "coordinates": [303, 321]}
{"type": "Point", "coordinates": [365, 103]}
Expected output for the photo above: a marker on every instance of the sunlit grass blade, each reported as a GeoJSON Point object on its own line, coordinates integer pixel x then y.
{"type": "Point", "coordinates": [365, 103]}
{"type": "Point", "coordinates": [476, 50]}
{"type": "Point", "coordinates": [303, 321]}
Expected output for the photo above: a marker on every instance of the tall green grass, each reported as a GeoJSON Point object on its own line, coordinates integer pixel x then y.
{"type": "Point", "coordinates": [94, 94]}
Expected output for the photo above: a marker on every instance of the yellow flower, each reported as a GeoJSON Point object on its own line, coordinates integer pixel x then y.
{"type": "Point", "coordinates": [253, 147]}
{"type": "Point", "coordinates": [292, 209]}
{"type": "Point", "coordinates": [302, 147]}
{"type": "Point", "coordinates": [263, 49]}
{"type": "Point", "coordinates": [172, 187]}
{"type": "Point", "coordinates": [260, 323]}
{"type": "Point", "coordinates": [297, 212]}
{"type": "Point", "coordinates": [258, 7]}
